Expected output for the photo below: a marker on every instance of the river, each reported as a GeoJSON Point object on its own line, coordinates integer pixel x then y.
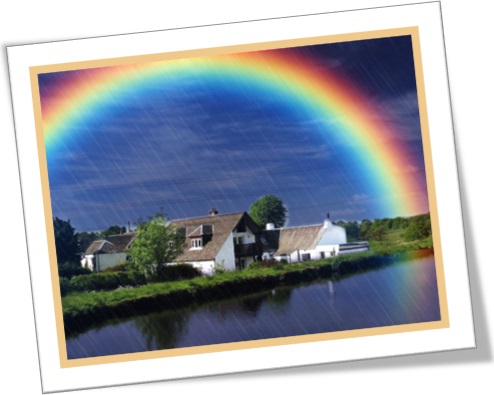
{"type": "Point", "coordinates": [404, 292]}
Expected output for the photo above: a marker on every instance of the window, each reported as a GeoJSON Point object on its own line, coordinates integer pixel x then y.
{"type": "Point", "coordinates": [196, 243]}
{"type": "Point", "coordinates": [305, 257]}
{"type": "Point", "coordinates": [238, 240]}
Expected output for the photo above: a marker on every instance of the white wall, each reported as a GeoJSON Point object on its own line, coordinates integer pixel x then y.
{"type": "Point", "coordinates": [328, 250]}
{"type": "Point", "coordinates": [88, 262]}
{"type": "Point", "coordinates": [226, 255]}
{"type": "Point", "coordinates": [99, 262]}
{"type": "Point", "coordinates": [103, 261]}
{"type": "Point", "coordinates": [206, 267]}
{"type": "Point", "coordinates": [248, 236]}
{"type": "Point", "coordinates": [290, 258]}
{"type": "Point", "coordinates": [332, 235]}
{"type": "Point", "coordinates": [314, 254]}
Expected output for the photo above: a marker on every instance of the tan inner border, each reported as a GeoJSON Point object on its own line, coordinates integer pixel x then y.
{"type": "Point", "coordinates": [443, 323]}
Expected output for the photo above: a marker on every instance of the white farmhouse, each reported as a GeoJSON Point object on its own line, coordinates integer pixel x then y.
{"type": "Point", "coordinates": [228, 241]}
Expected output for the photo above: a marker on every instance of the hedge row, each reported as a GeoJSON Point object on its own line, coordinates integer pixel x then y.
{"type": "Point", "coordinates": [69, 270]}
{"type": "Point", "coordinates": [102, 282]}
{"type": "Point", "coordinates": [176, 272]}
{"type": "Point", "coordinates": [123, 277]}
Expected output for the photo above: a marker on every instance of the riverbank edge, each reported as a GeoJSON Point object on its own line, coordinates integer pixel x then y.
{"type": "Point", "coordinates": [85, 310]}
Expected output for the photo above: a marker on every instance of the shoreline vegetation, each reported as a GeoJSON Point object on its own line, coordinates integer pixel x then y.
{"type": "Point", "coordinates": [83, 310]}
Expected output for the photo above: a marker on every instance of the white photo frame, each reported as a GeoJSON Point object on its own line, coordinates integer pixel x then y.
{"type": "Point", "coordinates": [453, 331]}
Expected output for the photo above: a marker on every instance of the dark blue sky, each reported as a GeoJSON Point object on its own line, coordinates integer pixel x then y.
{"type": "Point", "coordinates": [194, 145]}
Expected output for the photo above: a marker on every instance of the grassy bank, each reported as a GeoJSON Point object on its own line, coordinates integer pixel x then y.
{"type": "Point", "coordinates": [394, 244]}
{"type": "Point", "coordinates": [83, 310]}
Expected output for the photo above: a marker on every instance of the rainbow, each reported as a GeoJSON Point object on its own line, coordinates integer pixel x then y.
{"type": "Point", "coordinates": [314, 90]}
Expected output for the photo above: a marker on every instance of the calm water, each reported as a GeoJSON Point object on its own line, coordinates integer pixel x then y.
{"type": "Point", "coordinates": [403, 293]}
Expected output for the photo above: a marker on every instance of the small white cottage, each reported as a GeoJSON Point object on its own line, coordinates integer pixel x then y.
{"type": "Point", "coordinates": [107, 252]}
{"type": "Point", "coordinates": [305, 243]}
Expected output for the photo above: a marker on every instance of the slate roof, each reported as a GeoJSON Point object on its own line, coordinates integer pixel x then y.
{"type": "Point", "coordinates": [301, 238]}
{"type": "Point", "coordinates": [221, 226]}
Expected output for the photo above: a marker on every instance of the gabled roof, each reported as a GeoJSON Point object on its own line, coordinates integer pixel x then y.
{"type": "Point", "coordinates": [122, 241]}
{"type": "Point", "coordinates": [85, 243]}
{"type": "Point", "coordinates": [301, 238]}
{"type": "Point", "coordinates": [101, 246]}
{"type": "Point", "coordinates": [219, 227]}
{"type": "Point", "coordinates": [114, 243]}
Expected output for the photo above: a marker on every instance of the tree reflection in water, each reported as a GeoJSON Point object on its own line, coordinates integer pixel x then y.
{"type": "Point", "coordinates": [163, 330]}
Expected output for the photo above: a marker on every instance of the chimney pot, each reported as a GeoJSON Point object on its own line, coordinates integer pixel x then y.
{"type": "Point", "coordinates": [213, 211]}
{"type": "Point", "coordinates": [327, 221]}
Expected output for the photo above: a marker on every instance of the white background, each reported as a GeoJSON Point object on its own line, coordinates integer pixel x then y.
{"type": "Point", "coordinates": [466, 35]}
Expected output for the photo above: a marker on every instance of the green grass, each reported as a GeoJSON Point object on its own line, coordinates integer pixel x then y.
{"type": "Point", "coordinates": [394, 243]}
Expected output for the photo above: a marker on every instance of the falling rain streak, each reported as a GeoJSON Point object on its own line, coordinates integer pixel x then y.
{"type": "Point", "coordinates": [222, 138]}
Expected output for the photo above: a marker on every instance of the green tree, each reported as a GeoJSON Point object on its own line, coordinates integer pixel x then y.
{"type": "Point", "coordinates": [419, 228]}
{"type": "Point", "coordinates": [83, 236]}
{"type": "Point", "coordinates": [268, 209]}
{"type": "Point", "coordinates": [86, 238]}
{"type": "Point", "coordinates": [398, 223]}
{"type": "Point", "coordinates": [352, 229]}
{"type": "Point", "coordinates": [113, 230]}
{"type": "Point", "coordinates": [157, 243]}
{"type": "Point", "coordinates": [365, 228]}
{"type": "Point", "coordinates": [66, 242]}
{"type": "Point", "coordinates": [377, 232]}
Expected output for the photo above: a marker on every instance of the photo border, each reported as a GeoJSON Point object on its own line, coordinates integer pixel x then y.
{"type": "Point", "coordinates": [410, 31]}
{"type": "Point", "coordinates": [464, 341]}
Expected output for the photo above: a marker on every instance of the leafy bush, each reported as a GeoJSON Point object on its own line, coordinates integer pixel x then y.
{"type": "Point", "coordinates": [69, 270]}
{"type": "Point", "coordinates": [64, 286]}
{"type": "Point", "coordinates": [123, 266]}
{"type": "Point", "coordinates": [181, 271]}
{"type": "Point", "coordinates": [106, 281]}
{"type": "Point", "coordinates": [219, 267]}
{"type": "Point", "coordinates": [268, 263]}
